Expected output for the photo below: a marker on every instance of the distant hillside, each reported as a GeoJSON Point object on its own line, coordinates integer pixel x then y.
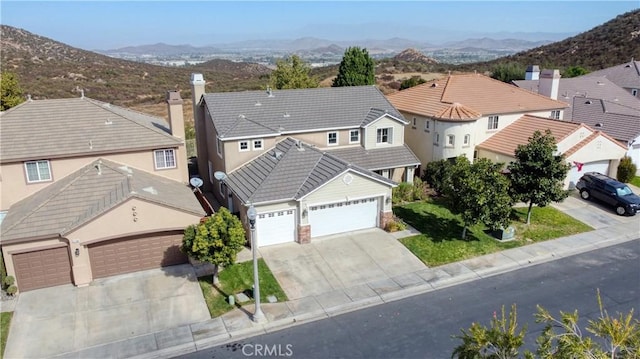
{"type": "Point", "coordinates": [413, 55]}
{"type": "Point", "coordinates": [50, 69]}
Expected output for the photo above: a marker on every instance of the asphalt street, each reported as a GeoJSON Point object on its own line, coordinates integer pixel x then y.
{"type": "Point", "coordinates": [422, 326]}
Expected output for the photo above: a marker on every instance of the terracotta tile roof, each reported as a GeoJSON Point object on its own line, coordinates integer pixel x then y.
{"type": "Point", "coordinates": [507, 140]}
{"type": "Point", "coordinates": [474, 93]}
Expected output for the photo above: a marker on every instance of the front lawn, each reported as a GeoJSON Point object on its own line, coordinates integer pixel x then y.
{"type": "Point", "coordinates": [236, 279]}
{"type": "Point", "coordinates": [5, 322]}
{"type": "Point", "coordinates": [440, 241]}
{"type": "Point", "coordinates": [636, 181]}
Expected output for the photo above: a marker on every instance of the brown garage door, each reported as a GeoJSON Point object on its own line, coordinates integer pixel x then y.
{"type": "Point", "coordinates": [136, 253]}
{"type": "Point", "coordinates": [44, 268]}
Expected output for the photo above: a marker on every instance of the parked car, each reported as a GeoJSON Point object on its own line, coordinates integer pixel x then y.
{"type": "Point", "coordinates": [609, 191]}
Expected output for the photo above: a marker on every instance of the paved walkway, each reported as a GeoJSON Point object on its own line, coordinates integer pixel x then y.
{"type": "Point", "coordinates": [236, 325]}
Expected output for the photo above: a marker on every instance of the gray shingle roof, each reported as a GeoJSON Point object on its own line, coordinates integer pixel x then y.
{"type": "Point", "coordinates": [625, 75]}
{"type": "Point", "coordinates": [85, 194]}
{"type": "Point", "coordinates": [616, 120]}
{"type": "Point", "coordinates": [289, 172]}
{"type": "Point", "coordinates": [378, 158]}
{"type": "Point", "coordinates": [255, 113]}
{"type": "Point", "coordinates": [44, 129]}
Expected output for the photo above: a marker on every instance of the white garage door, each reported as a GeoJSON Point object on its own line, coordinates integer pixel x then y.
{"type": "Point", "coordinates": [343, 217]}
{"type": "Point", "coordinates": [276, 227]}
{"type": "Point", "coordinates": [597, 166]}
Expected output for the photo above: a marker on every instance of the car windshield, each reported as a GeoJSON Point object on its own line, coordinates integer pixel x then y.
{"type": "Point", "coordinates": [623, 191]}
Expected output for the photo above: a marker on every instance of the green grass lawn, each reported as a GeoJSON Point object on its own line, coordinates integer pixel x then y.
{"type": "Point", "coordinates": [236, 279]}
{"type": "Point", "coordinates": [5, 322]}
{"type": "Point", "coordinates": [441, 243]}
{"type": "Point", "coordinates": [636, 181]}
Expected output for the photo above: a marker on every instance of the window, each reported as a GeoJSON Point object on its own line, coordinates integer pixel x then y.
{"type": "Point", "coordinates": [493, 123]}
{"type": "Point", "coordinates": [467, 140]}
{"type": "Point", "coordinates": [451, 140]}
{"type": "Point", "coordinates": [219, 147]}
{"type": "Point", "coordinates": [414, 122]}
{"type": "Point", "coordinates": [354, 136]}
{"type": "Point", "coordinates": [384, 135]}
{"type": "Point", "coordinates": [436, 139]}
{"type": "Point", "coordinates": [634, 92]}
{"type": "Point", "coordinates": [165, 159]}
{"type": "Point", "coordinates": [332, 138]}
{"type": "Point", "coordinates": [38, 171]}
{"type": "Point", "coordinates": [426, 125]}
{"type": "Point", "coordinates": [257, 145]}
{"type": "Point", "coordinates": [555, 114]}
{"type": "Point", "coordinates": [244, 146]}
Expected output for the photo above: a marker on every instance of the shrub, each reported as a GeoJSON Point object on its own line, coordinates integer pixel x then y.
{"type": "Point", "coordinates": [402, 192]}
{"type": "Point", "coordinates": [410, 192]}
{"type": "Point", "coordinates": [395, 225]}
{"type": "Point", "coordinates": [626, 170]}
{"type": "Point", "coordinates": [8, 281]}
{"type": "Point", "coordinates": [12, 290]}
{"type": "Point", "coordinates": [436, 174]}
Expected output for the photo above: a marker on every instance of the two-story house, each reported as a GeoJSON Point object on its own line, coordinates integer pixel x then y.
{"type": "Point", "coordinates": [313, 162]}
{"type": "Point", "coordinates": [90, 190]}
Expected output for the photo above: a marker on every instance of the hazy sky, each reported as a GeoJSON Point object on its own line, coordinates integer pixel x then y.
{"type": "Point", "coordinates": [113, 24]}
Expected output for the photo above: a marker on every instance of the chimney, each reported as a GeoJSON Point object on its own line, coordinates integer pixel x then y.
{"type": "Point", "coordinates": [533, 73]}
{"type": "Point", "coordinates": [176, 116]}
{"type": "Point", "coordinates": [197, 91]}
{"type": "Point", "coordinates": [197, 88]}
{"type": "Point", "coordinates": [549, 83]}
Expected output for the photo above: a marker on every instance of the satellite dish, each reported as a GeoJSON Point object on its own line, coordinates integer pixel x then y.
{"type": "Point", "coordinates": [196, 182]}
{"type": "Point", "coordinates": [220, 176]}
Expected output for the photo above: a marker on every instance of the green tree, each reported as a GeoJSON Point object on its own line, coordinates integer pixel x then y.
{"type": "Point", "coordinates": [356, 69]}
{"type": "Point", "coordinates": [216, 240]}
{"type": "Point", "coordinates": [10, 92]}
{"type": "Point", "coordinates": [436, 174]}
{"type": "Point", "coordinates": [292, 73]}
{"type": "Point", "coordinates": [575, 71]}
{"type": "Point", "coordinates": [508, 72]}
{"type": "Point", "coordinates": [479, 193]}
{"type": "Point", "coordinates": [413, 81]}
{"type": "Point", "coordinates": [537, 175]}
{"type": "Point", "coordinates": [626, 170]}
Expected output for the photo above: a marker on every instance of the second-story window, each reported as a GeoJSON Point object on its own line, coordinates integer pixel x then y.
{"type": "Point", "coordinates": [165, 159]}
{"type": "Point", "coordinates": [257, 145]}
{"type": "Point", "coordinates": [451, 140]}
{"type": "Point", "coordinates": [332, 138]}
{"type": "Point", "coordinates": [426, 125]}
{"type": "Point", "coordinates": [493, 123]}
{"type": "Point", "coordinates": [436, 140]}
{"type": "Point", "coordinates": [555, 114]}
{"type": "Point", "coordinates": [219, 147]}
{"type": "Point", "coordinates": [244, 146]}
{"type": "Point", "coordinates": [384, 135]}
{"type": "Point", "coordinates": [37, 171]}
{"type": "Point", "coordinates": [467, 140]}
{"type": "Point", "coordinates": [354, 136]}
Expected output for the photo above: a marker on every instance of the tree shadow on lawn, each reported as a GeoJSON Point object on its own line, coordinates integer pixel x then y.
{"type": "Point", "coordinates": [436, 228]}
{"type": "Point", "coordinates": [226, 295]}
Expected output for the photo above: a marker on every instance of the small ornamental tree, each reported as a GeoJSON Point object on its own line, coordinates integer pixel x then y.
{"type": "Point", "coordinates": [626, 170]}
{"type": "Point", "coordinates": [217, 240]}
{"type": "Point", "coordinates": [356, 69]}
{"type": "Point", "coordinates": [10, 92]}
{"type": "Point", "coordinates": [538, 173]}
{"type": "Point", "coordinates": [292, 73]}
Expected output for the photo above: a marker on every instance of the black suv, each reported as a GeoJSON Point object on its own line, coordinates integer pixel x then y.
{"type": "Point", "coordinates": [611, 192]}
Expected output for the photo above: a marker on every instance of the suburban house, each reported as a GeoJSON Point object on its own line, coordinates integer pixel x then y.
{"type": "Point", "coordinates": [601, 104]}
{"type": "Point", "coordinates": [625, 75]}
{"type": "Point", "coordinates": [449, 117]}
{"type": "Point", "coordinates": [91, 190]}
{"type": "Point", "coordinates": [313, 162]}
{"type": "Point", "coordinates": [584, 148]}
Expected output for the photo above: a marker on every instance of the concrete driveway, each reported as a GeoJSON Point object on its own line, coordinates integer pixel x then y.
{"type": "Point", "coordinates": [63, 319]}
{"type": "Point", "coordinates": [338, 262]}
{"type": "Point", "coordinates": [592, 212]}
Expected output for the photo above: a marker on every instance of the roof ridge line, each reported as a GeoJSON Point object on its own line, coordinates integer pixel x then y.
{"type": "Point", "coordinates": [266, 153]}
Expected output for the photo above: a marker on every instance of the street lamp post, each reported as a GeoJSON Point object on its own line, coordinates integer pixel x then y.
{"type": "Point", "coordinates": [258, 316]}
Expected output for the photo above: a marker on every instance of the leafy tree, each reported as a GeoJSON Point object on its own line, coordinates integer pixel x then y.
{"type": "Point", "coordinates": [356, 69]}
{"type": "Point", "coordinates": [626, 170]}
{"type": "Point", "coordinates": [216, 240]}
{"type": "Point", "coordinates": [479, 193]}
{"type": "Point", "coordinates": [436, 174]}
{"type": "Point", "coordinates": [10, 91]}
{"type": "Point", "coordinates": [575, 71]}
{"type": "Point", "coordinates": [537, 175]}
{"type": "Point", "coordinates": [508, 72]}
{"type": "Point", "coordinates": [292, 73]}
{"type": "Point", "coordinates": [413, 81]}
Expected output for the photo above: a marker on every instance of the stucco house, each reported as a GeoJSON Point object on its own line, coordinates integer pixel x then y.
{"type": "Point", "coordinates": [313, 162]}
{"type": "Point", "coordinates": [91, 190]}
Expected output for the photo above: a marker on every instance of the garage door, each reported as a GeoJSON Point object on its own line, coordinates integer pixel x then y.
{"type": "Point", "coordinates": [343, 217]}
{"type": "Point", "coordinates": [136, 253]}
{"type": "Point", "coordinates": [276, 227]}
{"type": "Point", "coordinates": [597, 166]}
{"type": "Point", "coordinates": [40, 269]}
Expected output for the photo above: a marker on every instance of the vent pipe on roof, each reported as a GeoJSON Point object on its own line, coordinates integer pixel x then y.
{"type": "Point", "coordinates": [269, 92]}
{"type": "Point", "coordinates": [29, 97]}
{"type": "Point", "coordinates": [81, 93]}
{"type": "Point", "coordinates": [98, 166]}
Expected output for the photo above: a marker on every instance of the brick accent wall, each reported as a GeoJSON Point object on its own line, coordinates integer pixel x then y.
{"type": "Point", "coordinates": [304, 234]}
{"type": "Point", "coordinates": [385, 217]}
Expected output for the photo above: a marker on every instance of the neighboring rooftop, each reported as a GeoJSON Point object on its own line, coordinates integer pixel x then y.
{"type": "Point", "coordinates": [45, 129]}
{"type": "Point", "coordinates": [290, 170]}
{"type": "Point", "coordinates": [467, 97]}
{"type": "Point", "coordinates": [87, 193]}
{"type": "Point", "coordinates": [626, 75]}
{"type": "Point", "coordinates": [618, 121]}
{"type": "Point", "coordinates": [282, 112]}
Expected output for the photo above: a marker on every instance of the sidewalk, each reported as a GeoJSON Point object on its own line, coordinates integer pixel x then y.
{"type": "Point", "coordinates": [237, 325]}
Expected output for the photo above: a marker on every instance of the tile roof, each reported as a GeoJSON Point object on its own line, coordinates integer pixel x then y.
{"type": "Point", "coordinates": [616, 120]}
{"type": "Point", "coordinates": [580, 87]}
{"type": "Point", "coordinates": [507, 140]}
{"type": "Point", "coordinates": [289, 172]}
{"type": "Point", "coordinates": [624, 75]}
{"type": "Point", "coordinates": [44, 129]}
{"type": "Point", "coordinates": [377, 158]}
{"type": "Point", "coordinates": [475, 94]}
{"type": "Point", "coordinates": [87, 193]}
{"type": "Point", "coordinates": [256, 113]}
